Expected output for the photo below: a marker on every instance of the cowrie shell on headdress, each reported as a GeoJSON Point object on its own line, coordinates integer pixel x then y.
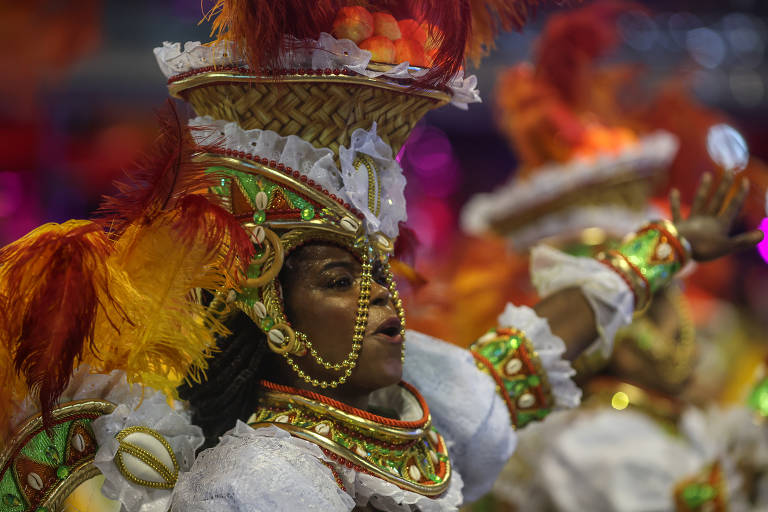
{"type": "Point", "coordinates": [258, 234]}
{"type": "Point", "coordinates": [276, 337]}
{"type": "Point", "coordinates": [34, 481]}
{"type": "Point", "coordinates": [260, 310]}
{"type": "Point", "coordinates": [260, 201]}
{"type": "Point", "coordinates": [348, 224]}
{"type": "Point", "coordinates": [414, 473]}
{"type": "Point", "coordinates": [78, 443]}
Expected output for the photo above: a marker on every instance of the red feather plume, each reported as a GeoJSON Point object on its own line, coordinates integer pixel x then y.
{"type": "Point", "coordinates": [168, 179]}
{"type": "Point", "coordinates": [198, 220]}
{"type": "Point", "coordinates": [160, 178]}
{"type": "Point", "coordinates": [53, 280]}
{"type": "Point", "coordinates": [573, 41]}
{"type": "Point", "coordinates": [258, 27]}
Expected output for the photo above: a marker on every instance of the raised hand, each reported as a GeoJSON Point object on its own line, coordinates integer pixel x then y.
{"type": "Point", "coordinates": [711, 219]}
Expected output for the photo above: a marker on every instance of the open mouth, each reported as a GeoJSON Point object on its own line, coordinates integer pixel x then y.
{"type": "Point", "coordinates": [389, 328]}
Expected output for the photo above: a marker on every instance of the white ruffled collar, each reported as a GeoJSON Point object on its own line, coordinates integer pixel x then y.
{"type": "Point", "coordinates": [349, 183]}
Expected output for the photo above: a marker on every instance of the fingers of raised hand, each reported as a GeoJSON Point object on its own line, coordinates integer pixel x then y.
{"type": "Point", "coordinates": [716, 203]}
{"type": "Point", "coordinates": [746, 240]}
{"type": "Point", "coordinates": [731, 210]}
{"type": "Point", "coordinates": [674, 204]}
{"type": "Point", "coordinates": [702, 193]}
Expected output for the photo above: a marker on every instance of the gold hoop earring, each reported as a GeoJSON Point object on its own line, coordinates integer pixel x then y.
{"type": "Point", "coordinates": [282, 339]}
{"type": "Point", "coordinates": [271, 259]}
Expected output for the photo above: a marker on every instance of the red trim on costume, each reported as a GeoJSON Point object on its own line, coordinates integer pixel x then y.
{"type": "Point", "coordinates": [500, 383]}
{"type": "Point", "coordinates": [353, 410]}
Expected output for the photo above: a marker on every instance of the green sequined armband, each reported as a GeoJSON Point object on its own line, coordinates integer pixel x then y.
{"type": "Point", "coordinates": [507, 355]}
{"type": "Point", "coordinates": [648, 259]}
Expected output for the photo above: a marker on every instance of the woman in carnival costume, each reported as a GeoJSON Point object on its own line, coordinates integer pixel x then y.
{"type": "Point", "coordinates": [245, 270]}
{"type": "Point", "coordinates": [587, 178]}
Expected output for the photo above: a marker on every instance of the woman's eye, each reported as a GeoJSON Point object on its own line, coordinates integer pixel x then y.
{"type": "Point", "coordinates": [340, 282]}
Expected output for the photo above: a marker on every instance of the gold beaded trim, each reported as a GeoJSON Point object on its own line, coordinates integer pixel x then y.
{"type": "Point", "coordinates": [374, 182]}
{"type": "Point", "coordinates": [147, 458]}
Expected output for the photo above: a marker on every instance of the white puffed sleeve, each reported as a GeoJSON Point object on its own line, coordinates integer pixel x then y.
{"type": "Point", "coordinates": [465, 409]}
{"type": "Point", "coordinates": [614, 460]}
{"type": "Point", "coordinates": [260, 470]}
{"type": "Point", "coordinates": [609, 296]}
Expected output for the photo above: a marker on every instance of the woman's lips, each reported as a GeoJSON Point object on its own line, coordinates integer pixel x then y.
{"type": "Point", "coordinates": [389, 331]}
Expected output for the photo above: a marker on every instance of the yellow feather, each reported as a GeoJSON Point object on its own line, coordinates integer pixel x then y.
{"type": "Point", "coordinates": [160, 334]}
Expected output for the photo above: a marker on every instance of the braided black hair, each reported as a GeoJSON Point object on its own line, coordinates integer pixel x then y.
{"type": "Point", "coordinates": [231, 390]}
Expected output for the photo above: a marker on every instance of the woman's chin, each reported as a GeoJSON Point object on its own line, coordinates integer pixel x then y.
{"type": "Point", "coordinates": [386, 372]}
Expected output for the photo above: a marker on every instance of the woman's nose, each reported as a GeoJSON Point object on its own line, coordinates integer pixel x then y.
{"type": "Point", "coordinates": [380, 295]}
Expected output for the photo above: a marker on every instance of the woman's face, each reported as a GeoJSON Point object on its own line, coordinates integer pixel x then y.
{"type": "Point", "coordinates": [321, 287]}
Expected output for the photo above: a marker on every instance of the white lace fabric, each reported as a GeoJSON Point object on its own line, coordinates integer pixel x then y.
{"type": "Point", "coordinates": [390, 186]}
{"type": "Point", "coordinates": [326, 52]}
{"type": "Point", "coordinates": [260, 470]}
{"type": "Point", "coordinates": [267, 469]}
{"type": "Point", "coordinates": [609, 296]}
{"type": "Point", "coordinates": [350, 183]}
{"type": "Point", "coordinates": [550, 350]}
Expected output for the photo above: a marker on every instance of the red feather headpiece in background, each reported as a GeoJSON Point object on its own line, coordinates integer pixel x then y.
{"type": "Point", "coordinates": [573, 41]}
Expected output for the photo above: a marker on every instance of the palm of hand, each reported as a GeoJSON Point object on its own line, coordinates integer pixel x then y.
{"type": "Point", "coordinates": [708, 226]}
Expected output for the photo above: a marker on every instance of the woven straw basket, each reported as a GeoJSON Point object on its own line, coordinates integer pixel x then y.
{"type": "Point", "coordinates": [626, 190]}
{"type": "Point", "coordinates": [323, 110]}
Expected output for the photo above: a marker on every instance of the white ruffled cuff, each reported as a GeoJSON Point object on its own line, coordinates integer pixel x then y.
{"type": "Point", "coordinates": [607, 293]}
{"type": "Point", "coordinates": [550, 350]}
{"type": "Point", "coordinates": [154, 413]}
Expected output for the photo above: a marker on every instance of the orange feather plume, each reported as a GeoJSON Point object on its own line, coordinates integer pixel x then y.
{"type": "Point", "coordinates": [123, 299]}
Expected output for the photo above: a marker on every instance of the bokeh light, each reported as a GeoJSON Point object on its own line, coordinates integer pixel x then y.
{"type": "Point", "coordinates": [706, 47]}
{"type": "Point", "coordinates": [620, 401]}
{"type": "Point", "coordinates": [727, 147]}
